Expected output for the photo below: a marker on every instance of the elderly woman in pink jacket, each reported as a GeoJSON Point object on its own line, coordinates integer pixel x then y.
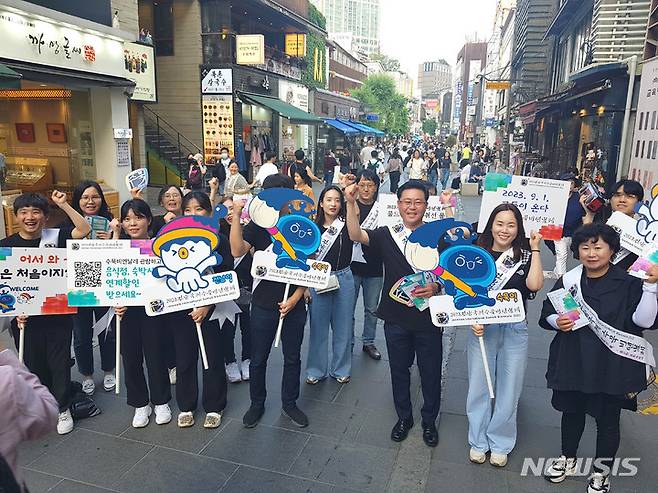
{"type": "Point", "coordinates": [27, 409]}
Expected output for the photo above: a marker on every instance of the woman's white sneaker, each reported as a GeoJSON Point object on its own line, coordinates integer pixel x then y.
{"type": "Point", "coordinates": [498, 460]}
{"type": "Point", "coordinates": [109, 382]}
{"type": "Point", "coordinates": [560, 468]}
{"type": "Point", "coordinates": [141, 417]}
{"type": "Point", "coordinates": [162, 414]}
{"type": "Point", "coordinates": [88, 386]}
{"type": "Point", "coordinates": [65, 423]}
{"type": "Point", "coordinates": [598, 483]}
{"type": "Point", "coordinates": [476, 456]}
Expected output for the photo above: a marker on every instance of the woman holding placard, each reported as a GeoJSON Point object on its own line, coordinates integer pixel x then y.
{"type": "Point", "coordinates": [89, 201]}
{"type": "Point", "coordinates": [141, 335]}
{"type": "Point", "coordinates": [182, 325]}
{"type": "Point", "coordinates": [626, 195]}
{"type": "Point", "coordinates": [171, 198]}
{"type": "Point", "coordinates": [587, 371]}
{"type": "Point", "coordinates": [492, 426]}
{"type": "Point", "coordinates": [333, 306]}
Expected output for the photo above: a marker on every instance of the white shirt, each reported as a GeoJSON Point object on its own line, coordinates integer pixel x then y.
{"type": "Point", "coordinates": [266, 170]}
{"type": "Point", "coordinates": [417, 167]}
{"type": "Point", "coordinates": [366, 154]}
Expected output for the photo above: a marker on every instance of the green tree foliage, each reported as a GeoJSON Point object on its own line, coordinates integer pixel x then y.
{"type": "Point", "coordinates": [429, 126]}
{"type": "Point", "coordinates": [379, 96]}
{"type": "Point", "coordinates": [451, 140]}
{"type": "Point", "coordinates": [389, 64]}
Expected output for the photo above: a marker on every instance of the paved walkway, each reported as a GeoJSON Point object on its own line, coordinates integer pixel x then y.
{"type": "Point", "coordinates": [345, 448]}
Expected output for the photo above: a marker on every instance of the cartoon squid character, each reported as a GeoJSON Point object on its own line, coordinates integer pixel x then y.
{"type": "Point", "coordinates": [294, 236]}
{"type": "Point", "coordinates": [647, 225]}
{"type": "Point", "coordinates": [186, 247]}
{"type": "Point", "coordinates": [466, 271]}
{"type": "Point", "coordinates": [7, 300]}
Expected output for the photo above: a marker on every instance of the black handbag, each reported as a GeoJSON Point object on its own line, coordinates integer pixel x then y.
{"type": "Point", "coordinates": [82, 406]}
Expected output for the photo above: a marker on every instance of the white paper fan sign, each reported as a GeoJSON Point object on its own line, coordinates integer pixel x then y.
{"type": "Point", "coordinates": [137, 179]}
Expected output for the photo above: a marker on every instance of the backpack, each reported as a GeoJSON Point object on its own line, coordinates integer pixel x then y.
{"type": "Point", "coordinates": [194, 178]}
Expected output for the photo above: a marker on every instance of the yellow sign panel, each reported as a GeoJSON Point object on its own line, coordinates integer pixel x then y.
{"type": "Point", "coordinates": [498, 85]}
{"type": "Point", "coordinates": [296, 45]}
{"type": "Point", "coordinates": [250, 49]}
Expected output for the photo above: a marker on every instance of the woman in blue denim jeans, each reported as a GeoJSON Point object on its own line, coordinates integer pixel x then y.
{"type": "Point", "coordinates": [333, 306]}
{"type": "Point", "coordinates": [492, 427]}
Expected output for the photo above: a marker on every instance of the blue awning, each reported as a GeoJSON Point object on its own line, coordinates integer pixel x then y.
{"type": "Point", "coordinates": [363, 128]}
{"type": "Point", "coordinates": [342, 127]}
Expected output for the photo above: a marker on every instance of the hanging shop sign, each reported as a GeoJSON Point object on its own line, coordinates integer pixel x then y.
{"type": "Point", "coordinates": [216, 81]}
{"type": "Point", "coordinates": [296, 45]}
{"type": "Point", "coordinates": [493, 85]}
{"type": "Point", "coordinates": [294, 94]}
{"type": "Point", "coordinates": [48, 42]}
{"type": "Point", "coordinates": [139, 63]}
{"type": "Point", "coordinates": [250, 49]}
{"type": "Point", "coordinates": [217, 125]}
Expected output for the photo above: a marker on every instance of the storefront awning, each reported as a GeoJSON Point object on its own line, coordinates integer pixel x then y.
{"type": "Point", "coordinates": [9, 79]}
{"type": "Point", "coordinates": [338, 125]}
{"type": "Point", "coordinates": [295, 115]}
{"type": "Point", "coordinates": [363, 128]}
{"type": "Point", "coordinates": [63, 77]}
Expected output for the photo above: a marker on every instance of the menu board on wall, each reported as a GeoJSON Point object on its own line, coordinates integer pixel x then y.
{"type": "Point", "coordinates": [217, 115]}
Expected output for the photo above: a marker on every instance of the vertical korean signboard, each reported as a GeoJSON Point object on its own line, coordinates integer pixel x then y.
{"type": "Point", "coordinates": [217, 112]}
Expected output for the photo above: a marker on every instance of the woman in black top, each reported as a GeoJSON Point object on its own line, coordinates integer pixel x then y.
{"type": "Point", "coordinates": [89, 200]}
{"type": "Point", "coordinates": [587, 374]}
{"type": "Point", "coordinates": [335, 306]}
{"type": "Point", "coordinates": [142, 340]}
{"type": "Point", "coordinates": [182, 325]}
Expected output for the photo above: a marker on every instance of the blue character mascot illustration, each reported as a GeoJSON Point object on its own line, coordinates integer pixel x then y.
{"type": "Point", "coordinates": [465, 270]}
{"type": "Point", "coordinates": [294, 236]}
{"type": "Point", "coordinates": [7, 300]}
{"type": "Point", "coordinates": [186, 247]}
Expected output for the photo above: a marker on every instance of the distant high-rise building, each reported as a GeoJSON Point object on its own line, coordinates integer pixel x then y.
{"type": "Point", "coordinates": [471, 61]}
{"type": "Point", "coordinates": [359, 17]}
{"type": "Point", "coordinates": [434, 78]}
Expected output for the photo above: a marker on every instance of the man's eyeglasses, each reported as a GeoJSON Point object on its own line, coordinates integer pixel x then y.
{"type": "Point", "coordinates": [409, 203]}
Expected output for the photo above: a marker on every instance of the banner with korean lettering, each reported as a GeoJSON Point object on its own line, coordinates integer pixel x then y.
{"type": "Point", "coordinates": [542, 202]}
{"type": "Point", "coordinates": [390, 216]}
{"type": "Point", "coordinates": [109, 272]}
{"type": "Point", "coordinates": [33, 282]}
{"type": "Point", "coordinates": [508, 308]}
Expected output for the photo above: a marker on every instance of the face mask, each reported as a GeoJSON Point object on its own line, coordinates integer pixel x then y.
{"type": "Point", "coordinates": [223, 155]}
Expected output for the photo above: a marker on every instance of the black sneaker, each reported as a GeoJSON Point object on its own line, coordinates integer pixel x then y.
{"type": "Point", "coordinates": [560, 468]}
{"type": "Point", "coordinates": [296, 415]}
{"type": "Point", "coordinates": [252, 416]}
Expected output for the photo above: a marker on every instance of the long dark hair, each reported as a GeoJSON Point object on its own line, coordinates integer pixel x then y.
{"type": "Point", "coordinates": [485, 240]}
{"type": "Point", "coordinates": [319, 218]}
{"type": "Point", "coordinates": [77, 195]}
{"type": "Point", "coordinates": [303, 175]}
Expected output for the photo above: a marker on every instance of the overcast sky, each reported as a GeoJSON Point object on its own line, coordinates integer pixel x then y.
{"type": "Point", "coordinates": [415, 31]}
